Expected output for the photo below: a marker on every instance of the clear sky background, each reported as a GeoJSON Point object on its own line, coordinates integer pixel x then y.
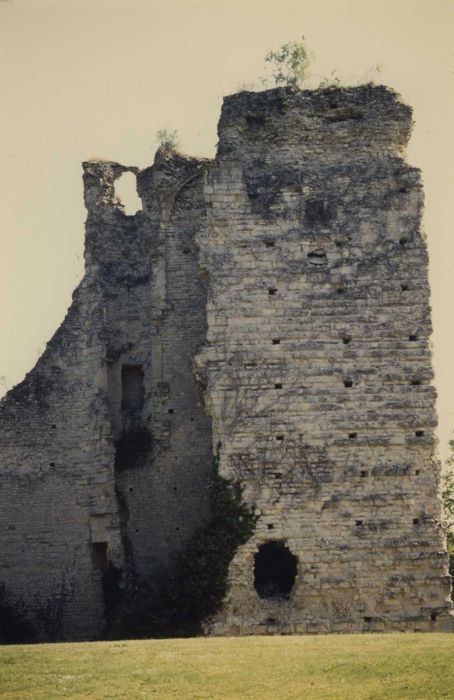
{"type": "Point", "coordinates": [97, 78]}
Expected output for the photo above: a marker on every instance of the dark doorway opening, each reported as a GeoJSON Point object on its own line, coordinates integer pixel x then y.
{"type": "Point", "coordinates": [132, 389]}
{"type": "Point", "coordinates": [275, 570]}
{"type": "Point", "coordinates": [99, 555]}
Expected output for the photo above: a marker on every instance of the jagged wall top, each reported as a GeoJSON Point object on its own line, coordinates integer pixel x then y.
{"type": "Point", "coordinates": [354, 118]}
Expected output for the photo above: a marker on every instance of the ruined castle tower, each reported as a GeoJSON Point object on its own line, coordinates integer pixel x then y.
{"type": "Point", "coordinates": [271, 306]}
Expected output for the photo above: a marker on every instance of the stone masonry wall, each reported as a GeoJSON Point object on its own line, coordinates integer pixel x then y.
{"type": "Point", "coordinates": [56, 479]}
{"type": "Point", "coordinates": [282, 290]}
{"type": "Point", "coordinates": [87, 480]}
{"type": "Point", "coordinates": [156, 319]}
{"type": "Point", "coordinates": [318, 364]}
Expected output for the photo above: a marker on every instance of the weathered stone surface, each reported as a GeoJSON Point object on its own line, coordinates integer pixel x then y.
{"type": "Point", "coordinates": [318, 367]}
{"type": "Point", "coordinates": [290, 277]}
{"type": "Point", "coordinates": [83, 479]}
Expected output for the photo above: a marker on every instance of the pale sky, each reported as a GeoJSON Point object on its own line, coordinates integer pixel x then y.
{"type": "Point", "coordinates": [97, 78]}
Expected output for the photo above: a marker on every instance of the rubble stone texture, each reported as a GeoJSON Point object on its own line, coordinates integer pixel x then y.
{"type": "Point", "coordinates": [273, 305]}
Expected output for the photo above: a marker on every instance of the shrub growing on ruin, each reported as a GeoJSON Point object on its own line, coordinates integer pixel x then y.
{"type": "Point", "coordinates": [168, 140]}
{"type": "Point", "coordinates": [331, 81]}
{"type": "Point", "coordinates": [177, 606]}
{"type": "Point", "coordinates": [447, 495]}
{"type": "Point", "coordinates": [289, 64]}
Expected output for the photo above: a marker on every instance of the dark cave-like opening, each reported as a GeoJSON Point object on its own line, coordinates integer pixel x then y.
{"type": "Point", "coordinates": [275, 570]}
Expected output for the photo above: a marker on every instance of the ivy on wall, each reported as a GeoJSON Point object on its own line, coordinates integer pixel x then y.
{"type": "Point", "coordinates": [177, 606]}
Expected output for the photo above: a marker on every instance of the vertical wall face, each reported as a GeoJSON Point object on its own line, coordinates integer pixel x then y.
{"type": "Point", "coordinates": [57, 496]}
{"type": "Point", "coordinates": [105, 447]}
{"type": "Point", "coordinates": [155, 327]}
{"type": "Point", "coordinates": [318, 364]}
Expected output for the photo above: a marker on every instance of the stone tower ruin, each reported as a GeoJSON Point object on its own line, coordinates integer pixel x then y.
{"type": "Point", "coordinates": [271, 305]}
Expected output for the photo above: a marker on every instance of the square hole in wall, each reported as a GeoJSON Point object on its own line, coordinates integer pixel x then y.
{"type": "Point", "coordinates": [317, 212]}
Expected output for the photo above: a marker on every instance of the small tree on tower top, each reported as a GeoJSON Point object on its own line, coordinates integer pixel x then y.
{"type": "Point", "coordinates": [289, 64]}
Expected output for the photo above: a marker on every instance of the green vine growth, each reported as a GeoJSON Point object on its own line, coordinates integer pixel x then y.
{"type": "Point", "coordinates": [177, 606]}
{"type": "Point", "coordinates": [447, 496]}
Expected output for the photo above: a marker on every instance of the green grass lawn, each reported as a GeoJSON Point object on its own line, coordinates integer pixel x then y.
{"type": "Point", "coordinates": [377, 666]}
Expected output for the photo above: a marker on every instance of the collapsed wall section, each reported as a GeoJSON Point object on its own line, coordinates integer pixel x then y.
{"type": "Point", "coordinates": [318, 365]}
{"type": "Point", "coordinates": [105, 448]}
{"type": "Point", "coordinates": [57, 480]}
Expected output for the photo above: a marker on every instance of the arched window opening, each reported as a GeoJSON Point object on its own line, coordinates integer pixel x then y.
{"type": "Point", "coordinates": [275, 570]}
{"type": "Point", "coordinates": [126, 193]}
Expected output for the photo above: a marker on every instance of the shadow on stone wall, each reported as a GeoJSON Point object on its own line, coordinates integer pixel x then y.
{"type": "Point", "coordinates": [176, 605]}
